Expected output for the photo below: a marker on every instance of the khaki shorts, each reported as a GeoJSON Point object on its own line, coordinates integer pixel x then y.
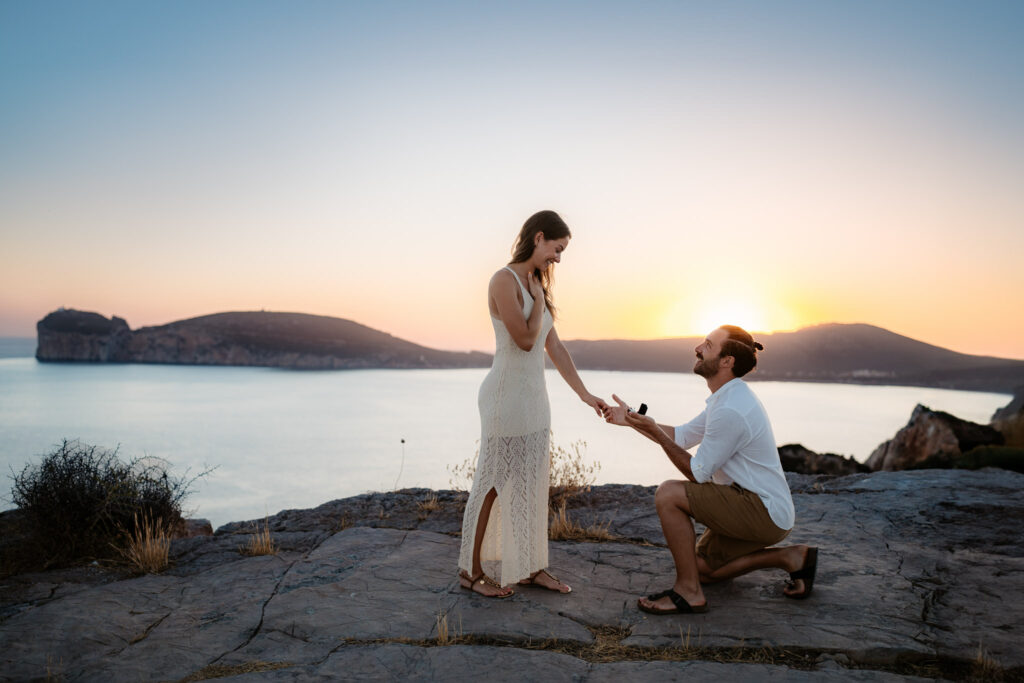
{"type": "Point", "coordinates": [737, 522]}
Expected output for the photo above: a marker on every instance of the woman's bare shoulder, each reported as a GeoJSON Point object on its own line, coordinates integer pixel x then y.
{"type": "Point", "coordinates": [502, 277]}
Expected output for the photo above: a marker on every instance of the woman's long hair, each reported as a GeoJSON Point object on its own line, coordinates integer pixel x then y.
{"type": "Point", "coordinates": [551, 225]}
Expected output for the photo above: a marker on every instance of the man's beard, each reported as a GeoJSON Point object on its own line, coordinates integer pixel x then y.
{"type": "Point", "coordinates": [707, 367]}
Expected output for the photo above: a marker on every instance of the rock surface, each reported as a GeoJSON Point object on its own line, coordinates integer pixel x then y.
{"type": "Point", "coordinates": [931, 435]}
{"type": "Point", "coordinates": [1009, 420]}
{"type": "Point", "coordinates": [796, 458]}
{"type": "Point", "coordinates": [917, 571]}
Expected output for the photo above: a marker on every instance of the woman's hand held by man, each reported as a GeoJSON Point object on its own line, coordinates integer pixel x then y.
{"type": "Point", "coordinates": [597, 403]}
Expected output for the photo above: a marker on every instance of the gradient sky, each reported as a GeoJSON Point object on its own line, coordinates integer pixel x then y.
{"type": "Point", "coordinates": [773, 164]}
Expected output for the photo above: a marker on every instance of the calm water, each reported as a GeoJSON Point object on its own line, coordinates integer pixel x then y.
{"type": "Point", "coordinates": [285, 439]}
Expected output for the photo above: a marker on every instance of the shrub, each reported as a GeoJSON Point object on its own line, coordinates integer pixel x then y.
{"type": "Point", "coordinates": [992, 456]}
{"type": "Point", "coordinates": [569, 475]}
{"type": "Point", "coordinates": [81, 501]}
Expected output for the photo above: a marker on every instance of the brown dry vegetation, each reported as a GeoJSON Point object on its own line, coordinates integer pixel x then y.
{"type": "Point", "coordinates": [147, 546]}
{"type": "Point", "coordinates": [570, 474]}
{"type": "Point", "coordinates": [260, 543]}
{"type": "Point", "coordinates": [562, 528]}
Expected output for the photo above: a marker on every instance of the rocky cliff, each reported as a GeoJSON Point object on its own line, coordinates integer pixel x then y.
{"type": "Point", "coordinates": [920, 577]}
{"type": "Point", "coordinates": [1009, 420]}
{"type": "Point", "coordinates": [933, 436]}
{"type": "Point", "coordinates": [290, 340]}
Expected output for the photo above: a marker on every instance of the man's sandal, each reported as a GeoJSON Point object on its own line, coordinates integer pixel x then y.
{"type": "Point", "coordinates": [806, 574]}
{"type": "Point", "coordinates": [679, 602]}
{"type": "Point", "coordinates": [481, 579]}
{"type": "Point", "coordinates": [532, 581]}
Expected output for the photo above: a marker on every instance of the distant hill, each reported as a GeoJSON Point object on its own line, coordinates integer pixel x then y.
{"type": "Point", "coordinates": [290, 340]}
{"type": "Point", "coordinates": [834, 352]}
{"type": "Point", "coordinates": [861, 354]}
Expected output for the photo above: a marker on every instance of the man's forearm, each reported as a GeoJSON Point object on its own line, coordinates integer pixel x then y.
{"type": "Point", "coordinates": [665, 429]}
{"type": "Point", "coordinates": [676, 453]}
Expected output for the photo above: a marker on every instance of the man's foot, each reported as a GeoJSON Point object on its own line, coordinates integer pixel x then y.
{"type": "Point", "coordinates": [484, 585]}
{"type": "Point", "coordinates": [801, 581]}
{"type": "Point", "coordinates": [546, 579]}
{"type": "Point", "coordinates": [671, 602]}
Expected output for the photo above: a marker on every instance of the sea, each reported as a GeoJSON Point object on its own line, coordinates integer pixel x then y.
{"type": "Point", "coordinates": [275, 439]}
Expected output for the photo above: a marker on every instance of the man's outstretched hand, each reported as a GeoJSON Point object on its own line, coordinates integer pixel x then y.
{"type": "Point", "coordinates": [623, 415]}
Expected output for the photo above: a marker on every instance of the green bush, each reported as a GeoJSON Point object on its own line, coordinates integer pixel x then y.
{"type": "Point", "coordinates": [1004, 457]}
{"type": "Point", "coordinates": [81, 500]}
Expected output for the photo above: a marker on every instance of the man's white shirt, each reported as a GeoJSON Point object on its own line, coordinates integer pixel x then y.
{"type": "Point", "coordinates": [737, 446]}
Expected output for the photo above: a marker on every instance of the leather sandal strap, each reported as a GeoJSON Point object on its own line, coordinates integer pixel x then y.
{"type": "Point", "coordinates": [550, 576]}
{"type": "Point", "coordinates": [486, 580]}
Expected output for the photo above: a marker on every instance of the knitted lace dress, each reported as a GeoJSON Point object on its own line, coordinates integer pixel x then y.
{"type": "Point", "coordinates": [515, 423]}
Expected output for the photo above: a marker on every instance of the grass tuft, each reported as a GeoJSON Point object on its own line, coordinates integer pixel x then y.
{"type": "Point", "coordinates": [147, 546]}
{"type": "Point", "coordinates": [569, 475]}
{"type": "Point", "coordinates": [446, 635]}
{"type": "Point", "coordinates": [430, 504]}
{"type": "Point", "coordinates": [562, 528]}
{"type": "Point", "coordinates": [54, 669]}
{"type": "Point", "coordinates": [260, 543]}
{"type": "Point", "coordinates": [984, 668]}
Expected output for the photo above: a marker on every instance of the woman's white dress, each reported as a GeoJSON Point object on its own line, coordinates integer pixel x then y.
{"type": "Point", "coordinates": [515, 424]}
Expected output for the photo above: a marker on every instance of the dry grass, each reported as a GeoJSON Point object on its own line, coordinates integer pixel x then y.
{"type": "Point", "coordinates": [430, 504]}
{"type": "Point", "coordinates": [54, 670]}
{"type": "Point", "coordinates": [460, 477]}
{"type": "Point", "coordinates": [607, 647]}
{"type": "Point", "coordinates": [343, 523]}
{"type": "Point", "coordinates": [260, 543]}
{"type": "Point", "coordinates": [984, 668]}
{"type": "Point", "coordinates": [562, 528]}
{"type": "Point", "coordinates": [570, 474]}
{"type": "Point", "coordinates": [446, 635]}
{"type": "Point", "coordinates": [148, 546]}
{"type": "Point", "coordinates": [223, 671]}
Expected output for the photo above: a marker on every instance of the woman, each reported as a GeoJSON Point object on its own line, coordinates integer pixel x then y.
{"type": "Point", "coordinates": [506, 516]}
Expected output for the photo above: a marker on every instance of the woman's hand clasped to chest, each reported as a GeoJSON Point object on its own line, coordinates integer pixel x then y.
{"type": "Point", "coordinates": [536, 290]}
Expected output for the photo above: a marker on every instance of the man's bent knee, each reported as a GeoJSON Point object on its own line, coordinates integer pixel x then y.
{"type": "Point", "coordinates": [671, 493]}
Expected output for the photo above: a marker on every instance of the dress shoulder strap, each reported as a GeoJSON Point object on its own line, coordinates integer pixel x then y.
{"type": "Point", "coordinates": [516, 276]}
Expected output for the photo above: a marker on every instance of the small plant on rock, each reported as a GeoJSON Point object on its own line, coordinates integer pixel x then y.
{"type": "Point", "coordinates": [261, 542]}
{"type": "Point", "coordinates": [79, 500]}
{"type": "Point", "coordinates": [570, 475]}
{"type": "Point", "coordinates": [148, 546]}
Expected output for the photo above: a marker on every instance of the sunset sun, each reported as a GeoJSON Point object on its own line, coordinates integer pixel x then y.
{"type": "Point", "coordinates": [728, 312]}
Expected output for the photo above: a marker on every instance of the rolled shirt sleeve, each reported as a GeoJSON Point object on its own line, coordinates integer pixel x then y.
{"type": "Point", "coordinates": [724, 434]}
{"type": "Point", "coordinates": [691, 433]}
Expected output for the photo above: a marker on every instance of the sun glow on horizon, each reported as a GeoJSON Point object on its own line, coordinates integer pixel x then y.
{"type": "Point", "coordinates": [752, 313]}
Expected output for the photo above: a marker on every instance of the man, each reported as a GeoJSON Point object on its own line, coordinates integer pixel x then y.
{"type": "Point", "coordinates": [735, 485]}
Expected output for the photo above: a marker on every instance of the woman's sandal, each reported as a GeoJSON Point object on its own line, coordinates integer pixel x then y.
{"type": "Point", "coordinates": [470, 584]}
{"type": "Point", "coordinates": [532, 581]}
{"type": "Point", "coordinates": [806, 573]}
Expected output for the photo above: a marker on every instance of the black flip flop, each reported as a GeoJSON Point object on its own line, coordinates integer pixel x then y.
{"type": "Point", "coordinates": [806, 573]}
{"type": "Point", "coordinates": [681, 606]}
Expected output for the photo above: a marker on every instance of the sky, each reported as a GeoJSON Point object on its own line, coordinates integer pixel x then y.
{"type": "Point", "coordinates": [768, 164]}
